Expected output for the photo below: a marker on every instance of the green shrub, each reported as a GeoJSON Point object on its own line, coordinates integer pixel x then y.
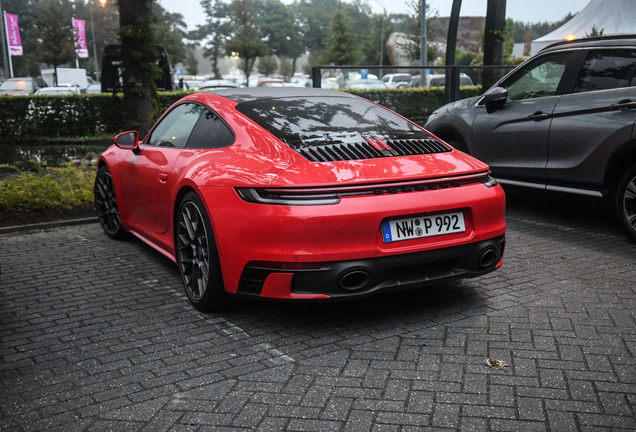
{"type": "Point", "coordinates": [415, 104]}
{"type": "Point", "coordinates": [47, 188]}
{"type": "Point", "coordinates": [56, 116]}
{"type": "Point", "coordinates": [52, 118]}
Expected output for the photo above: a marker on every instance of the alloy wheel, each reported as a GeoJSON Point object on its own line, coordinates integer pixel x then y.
{"type": "Point", "coordinates": [106, 204]}
{"type": "Point", "coordinates": [629, 203]}
{"type": "Point", "coordinates": [193, 250]}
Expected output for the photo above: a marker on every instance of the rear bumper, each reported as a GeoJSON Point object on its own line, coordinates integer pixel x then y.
{"type": "Point", "coordinates": [347, 232]}
{"type": "Point", "coordinates": [363, 277]}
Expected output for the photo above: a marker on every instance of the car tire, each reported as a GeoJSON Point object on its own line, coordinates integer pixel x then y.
{"type": "Point", "coordinates": [626, 202]}
{"type": "Point", "coordinates": [106, 205]}
{"type": "Point", "coordinates": [197, 256]}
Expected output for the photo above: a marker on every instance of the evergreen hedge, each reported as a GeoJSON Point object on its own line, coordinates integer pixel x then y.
{"type": "Point", "coordinates": [416, 104]}
{"type": "Point", "coordinates": [55, 118]}
{"type": "Point", "coordinates": [51, 118]}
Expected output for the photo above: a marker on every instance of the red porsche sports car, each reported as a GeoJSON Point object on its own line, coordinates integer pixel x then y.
{"type": "Point", "coordinates": [299, 193]}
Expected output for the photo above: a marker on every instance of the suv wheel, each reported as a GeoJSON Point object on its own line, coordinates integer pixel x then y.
{"type": "Point", "coordinates": [626, 202]}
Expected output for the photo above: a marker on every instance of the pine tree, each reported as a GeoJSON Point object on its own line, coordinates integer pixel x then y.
{"type": "Point", "coordinates": [246, 41]}
{"type": "Point", "coordinates": [341, 44]}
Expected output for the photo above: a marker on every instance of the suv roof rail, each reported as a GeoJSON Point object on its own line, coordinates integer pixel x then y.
{"type": "Point", "coordinates": [597, 38]}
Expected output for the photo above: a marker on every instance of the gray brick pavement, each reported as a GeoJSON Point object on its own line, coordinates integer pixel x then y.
{"type": "Point", "coordinates": [96, 335]}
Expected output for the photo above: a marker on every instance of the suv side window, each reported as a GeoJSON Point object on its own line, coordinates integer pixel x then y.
{"type": "Point", "coordinates": [210, 132]}
{"type": "Point", "coordinates": [539, 78]}
{"type": "Point", "coordinates": [175, 128]}
{"type": "Point", "coordinates": [607, 69]}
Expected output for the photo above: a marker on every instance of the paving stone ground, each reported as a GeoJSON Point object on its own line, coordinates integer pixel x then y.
{"type": "Point", "coordinates": [96, 335]}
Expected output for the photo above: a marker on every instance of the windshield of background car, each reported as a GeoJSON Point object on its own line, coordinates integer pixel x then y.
{"type": "Point", "coordinates": [607, 69]}
{"type": "Point", "coordinates": [16, 85]}
{"type": "Point", "coordinates": [539, 78]}
{"type": "Point", "coordinates": [294, 120]}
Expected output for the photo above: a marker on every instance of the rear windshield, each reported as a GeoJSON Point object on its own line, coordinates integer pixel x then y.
{"type": "Point", "coordinates": [303, 120]}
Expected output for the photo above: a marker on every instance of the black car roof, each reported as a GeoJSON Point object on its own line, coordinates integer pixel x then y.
{"type": "Point", "coordinates": [249, 94]}
{"type": "Point", "coordinates": [602, 41]}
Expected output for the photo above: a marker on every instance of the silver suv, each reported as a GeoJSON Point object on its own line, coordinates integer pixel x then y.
{"type": "Point", "coordinates": [564, 121]}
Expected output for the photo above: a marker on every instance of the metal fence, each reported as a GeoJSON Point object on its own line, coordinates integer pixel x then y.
{"type": "Point", "coordinates": [436, 76]}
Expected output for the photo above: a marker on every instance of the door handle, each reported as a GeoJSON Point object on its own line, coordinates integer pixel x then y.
{"type": "Point", "coordinates": [624, 104]}
{"type": "Point", "coordinates": [538, 116]}
{"type": "Point", "coordinates": [163, 177]}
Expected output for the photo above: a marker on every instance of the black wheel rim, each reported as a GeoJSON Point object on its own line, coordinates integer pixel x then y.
{"type": "Point", "coordinates": [193, 251]}
{"type": "Point", "coordinates": [629, 203]}
{"type": "Point", "coordinates": [106, 203]}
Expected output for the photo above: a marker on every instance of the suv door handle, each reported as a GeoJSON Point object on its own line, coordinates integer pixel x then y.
{"type": "Point", "coordinates": [163, 177]}
{"type": "Point", "coordinates": [624, 104]}
{"type": "Point", "coordinates": [538, 116]}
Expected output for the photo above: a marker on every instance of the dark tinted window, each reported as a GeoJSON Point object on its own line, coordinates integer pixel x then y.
{"type": "Point", "coordinates": [607, 69]}
{"type": "Point", "coordinates": [294, 120]}
{"type": "Point", "coordinates": [210, 132]}
{"type": "Point", "coordinates": [175, 128]}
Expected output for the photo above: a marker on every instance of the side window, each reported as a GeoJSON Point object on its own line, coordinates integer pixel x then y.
{"type": "Point", "coordinates": [175, 128]}
{"type": "Point", "coordinates": [210, 132]}
{"type": "Point", "coordinates": [539, 78]}
{"type": "Point", "coordinates": [607, 69]}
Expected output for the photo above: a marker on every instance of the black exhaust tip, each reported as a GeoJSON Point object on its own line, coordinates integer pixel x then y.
{"type": "Point", "coordinates": [354, 280]}
{"type": "Point", "coordinates": [487, 257]}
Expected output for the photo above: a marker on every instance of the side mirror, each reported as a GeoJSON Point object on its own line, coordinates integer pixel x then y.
{"type": "Point", "coordinates": [495, 98]}
{"type": "Point", "coordinates": [128, 141]}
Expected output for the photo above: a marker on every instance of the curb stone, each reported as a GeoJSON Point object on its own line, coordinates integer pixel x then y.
{"type": "Point", "coordinates": [45, 225]}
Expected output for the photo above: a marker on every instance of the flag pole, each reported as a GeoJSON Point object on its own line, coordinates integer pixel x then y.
{"type": "Point", "coordinates": [4, 17]}
{"type": "Point", "coordinates": [3, 31]}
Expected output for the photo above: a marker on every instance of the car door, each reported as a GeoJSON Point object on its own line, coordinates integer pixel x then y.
{"type": "Point", "coordinates": [513, 140]}
{"type": "Point", "coordinates": [147, 176]}
{"type": "Point", "coordinates": [594, 119]}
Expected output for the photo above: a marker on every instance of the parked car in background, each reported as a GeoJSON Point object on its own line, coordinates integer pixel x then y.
{"type": "Point", "coordinates": [217, 84]}
{"type": "Point", "coordinates": [60, 90]}
{"type": "Point", "coordinates": [357, 75]}
{"type": "Point", "coordinates": [21, 86]}
{"type": "Point", "coordinates": [300, 194]}
{"type": "Point", "coordinates": [364, 84]}
{"type": "Point", "coordinates": [398, 80]}
{"type": "Point", "coordinates": [94, 88]}
{"type": "Point", "coordinates": [191, 84]}
{"type": "Point", "coordinates": [563, 121]}
{"type": "Point", "coordinates": [438, 80]}
{"type": "Point", "coordinates": [304, 80]}
{"type": "Point", "coordinates": [327, 83]}
{"type": "Point", "coordinates": [270, 82]}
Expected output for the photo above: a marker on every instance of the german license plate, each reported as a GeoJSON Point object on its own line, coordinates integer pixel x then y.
{"type": "Point", "coordinates": [422, 226]}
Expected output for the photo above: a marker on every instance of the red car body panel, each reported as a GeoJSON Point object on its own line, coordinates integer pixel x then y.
{"type": "Point", "coordinates": [318, 234]}
{"type": "Point", "coordinates": [148, 183]}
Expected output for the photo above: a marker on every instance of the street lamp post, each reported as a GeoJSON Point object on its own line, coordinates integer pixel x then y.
{"type": "Point", "coordinates": [90, 3]}
{"type": "Point", "coordinates": [423, 52]}
{"type": "Point", "coordinates": [5, 54]}
{"type": "Point", "coordinates": [382, 33]}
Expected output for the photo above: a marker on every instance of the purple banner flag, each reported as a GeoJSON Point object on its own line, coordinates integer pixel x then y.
{"type": "Point", "coordinates": [80, 38]}
{"type": "Point", "coordinates": [13, 34]}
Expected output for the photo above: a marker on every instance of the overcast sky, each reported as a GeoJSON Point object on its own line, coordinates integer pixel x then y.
{"type": "Point", "coordinates": [519, 10]}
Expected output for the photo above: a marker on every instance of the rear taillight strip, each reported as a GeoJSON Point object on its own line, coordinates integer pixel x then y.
{"type": "Point", "coordinates": [331, 195]}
